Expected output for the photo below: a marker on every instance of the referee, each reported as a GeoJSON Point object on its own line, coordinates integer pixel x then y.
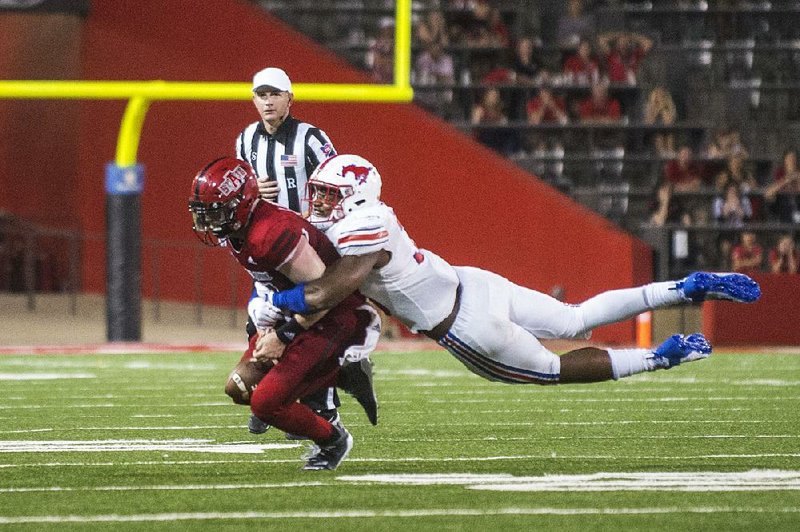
{"type": "Point", "coordinates": [284, 151]}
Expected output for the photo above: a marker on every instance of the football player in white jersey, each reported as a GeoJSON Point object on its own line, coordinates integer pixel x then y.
{"type": "Point", "coordinates": [490, 324]}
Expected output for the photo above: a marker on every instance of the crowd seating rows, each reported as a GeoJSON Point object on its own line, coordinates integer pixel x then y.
{"type": "Point", "coordinates": [602, 98]}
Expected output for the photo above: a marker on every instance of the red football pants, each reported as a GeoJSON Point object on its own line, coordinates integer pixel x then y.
{"type": "Point", "coordinates": [309, 363]}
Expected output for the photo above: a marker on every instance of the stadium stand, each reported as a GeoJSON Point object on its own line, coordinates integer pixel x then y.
{"type": "Point", "coordinates": [725, 62]}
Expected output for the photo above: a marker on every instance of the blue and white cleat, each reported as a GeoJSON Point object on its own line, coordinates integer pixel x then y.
{"type": "Point", "coordinates": [679, 348]}
{"type": "Point", "coordinates": [703, 286]}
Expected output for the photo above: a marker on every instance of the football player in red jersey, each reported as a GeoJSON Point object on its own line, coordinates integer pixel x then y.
{"type": "Point", "coordinates": [279, 249]}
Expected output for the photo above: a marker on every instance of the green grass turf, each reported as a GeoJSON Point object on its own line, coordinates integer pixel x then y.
{"type": "Point", "coordinates": [732, 413]}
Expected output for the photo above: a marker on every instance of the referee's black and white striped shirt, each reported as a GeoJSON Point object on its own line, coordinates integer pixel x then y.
{"type": "Point", "coordinates": [289, 156]}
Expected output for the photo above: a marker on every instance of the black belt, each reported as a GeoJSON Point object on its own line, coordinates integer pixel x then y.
{"type": "Point", "coordinates": [438, 332]}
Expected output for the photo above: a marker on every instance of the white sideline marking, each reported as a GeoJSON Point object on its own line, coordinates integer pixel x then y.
{"type": "Point", "coordinates": [185, 445]}
{"type": "Point", "coordinates": [44, 376]}
{"type": "Point", "coordinates": [754, 480]}
{"type": "Point", "coordinates": [184, 487]}
{"type": "Point", "coordinates": [415, 459]}
{"type": "Point", "coordinates": [216, 516]}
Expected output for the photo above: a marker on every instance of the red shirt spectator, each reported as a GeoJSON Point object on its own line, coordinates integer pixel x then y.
{"type": "Point", "coordinates": [784, 257]}
{"type": "Point", "coordinates": [545, 108]}
{"type": "Point", "coordinates": [581, 66]}
{"type": "Point", "coordinates": [499, 76]}
{"type": "Point", "coordinates": [599, 107]}
{"type": "Point", "coordinates": [683, 172]}
{"type": "Point", "coordinates": [623, 53]}
{"type": "Point", "coordinates": [746, 257]}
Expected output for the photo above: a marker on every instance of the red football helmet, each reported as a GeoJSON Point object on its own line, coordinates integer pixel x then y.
{"type": "Point", "coordinates": [222, 194]}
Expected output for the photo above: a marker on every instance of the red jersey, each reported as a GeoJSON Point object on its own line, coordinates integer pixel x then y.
{"type": "Point", "coordinates": [774, 257]}
{"type": "Point", "coordinates": [619, 66]}
{"type": "Point", "coordinates": [677, 174]}
{"type": "Point", "coordinates": [741, 253]}
{"type": "Point", "coordinates": [589, 109]}
{"type": "Point", "coordinates": [272, 235]}
{"type": "Point", "coordinates": [534, 104]}
{"type": "Point", "coordinates": [582, 71]}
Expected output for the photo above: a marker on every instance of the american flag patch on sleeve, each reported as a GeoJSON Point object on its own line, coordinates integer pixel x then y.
{"type": "Point", "coordinates": [288, 160]}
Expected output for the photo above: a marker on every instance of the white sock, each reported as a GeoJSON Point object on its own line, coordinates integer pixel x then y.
{"type": "Point", "coordinates": [662, 294]}
{"type": "Point", "coordinates": [627, 362]}
{"type": "Point", "coordinates": [617, 305]}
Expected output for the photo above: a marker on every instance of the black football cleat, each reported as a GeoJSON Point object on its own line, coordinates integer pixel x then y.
{"type": "Point", "coordinates": [355, 378]}
{"type": "Point", "coordinates": [331, 455]}
{"type": "Point", "coordinates": [256, 426]}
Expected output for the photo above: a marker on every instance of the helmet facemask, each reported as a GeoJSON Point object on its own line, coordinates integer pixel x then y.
{"type": "Point", "coordinates": [340, 186]}
{"type": "Point", "coordinates": [223, 194]}
{"type": "Point", "coordinates": [211, 222]}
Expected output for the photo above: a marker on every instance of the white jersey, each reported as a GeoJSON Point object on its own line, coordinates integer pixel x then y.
{"type": "Point", "coordinates": [417, 286]}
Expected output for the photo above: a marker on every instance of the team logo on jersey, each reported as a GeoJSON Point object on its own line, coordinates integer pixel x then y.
{"type": "Point", "coordinates": [232, 180]}
{"type": "Point", "coordinates": [328, 150]}
{"type": "Point", "coordinates": [360, 173]}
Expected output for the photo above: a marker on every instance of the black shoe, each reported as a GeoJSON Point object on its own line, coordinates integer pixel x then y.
{"type": "Point", "coordinates": [355, 378]}
{"type": "Point", "coordinates": [331, 455]}
{"type": "Point", "coordinates": [256, 426]}
{"type": "Point", "coordinates": [331, 415]}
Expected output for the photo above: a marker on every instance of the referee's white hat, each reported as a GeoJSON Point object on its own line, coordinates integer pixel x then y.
{"type": "Point", "coordinates": [272, 77]}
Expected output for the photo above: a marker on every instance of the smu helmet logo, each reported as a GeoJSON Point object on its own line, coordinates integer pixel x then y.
{"type": "Point", "coordinates": [232, 180]}
{"type": "Point", "coordinates": [359, 172]}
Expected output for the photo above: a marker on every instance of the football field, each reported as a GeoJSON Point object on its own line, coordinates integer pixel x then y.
{"type": "Point", "coordinates": [150, 442]}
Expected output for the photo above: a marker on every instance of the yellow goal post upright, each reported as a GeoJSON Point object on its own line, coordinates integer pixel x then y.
{"type": "Point", "coordinates": [125, 176]}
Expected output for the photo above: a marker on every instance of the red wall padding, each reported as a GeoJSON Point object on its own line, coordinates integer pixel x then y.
{"type": "Point", "coordinates": [772, 320]}
{"type": "Point", "coordinates": [454, 196]}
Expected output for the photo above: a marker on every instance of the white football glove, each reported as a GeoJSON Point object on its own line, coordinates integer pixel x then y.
{"type": "Point", "coordinates": [263, 313]}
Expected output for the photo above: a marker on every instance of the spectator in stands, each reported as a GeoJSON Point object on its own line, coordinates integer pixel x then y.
{"type": "Point", "coordinates": [736, 172]}
{"type": "Point", "coordinates": [599, 107]}
{"type": "Point", "coordinates": [490, 110]}
{"type": "Point", "coordinates": [783, 194]}
{"type": "Point", "coordinates": [660, 110]}
{"type": "Point", "coordinates": [546, 108]}
{"type": "Point", "coordinates": [482, 26]}
{"type": "Point", "coordinates": [434, 66]}
{"type": "Point", "coordinates": [574, 26]}
{"type": "Point", "coordinates": [784, 257]}
{"type": "Point", "coordinates": [727, 141]}
{"type": "Point", "coordinates": [748, 254]}
{"type": "Point", "coordinates": [433, 30]}
{"type": "Point", "coordinates": [622, 52]}
{"type": "Point", "coordinates": [526, 65]}
{"type": "Point", "coordinates": [380, 55]}
{"type": "Point", "coordinates": [684, 172]}
{"type": "Point", "coordinates": [581, 67]}
{"type": "Point", "coordinates": [732, 207]}
{"type": "Point", "coordinates": [663, 209]}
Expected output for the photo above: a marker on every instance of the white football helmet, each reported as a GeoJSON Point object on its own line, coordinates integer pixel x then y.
{"type": "Point", "coordinates": [339, 186]}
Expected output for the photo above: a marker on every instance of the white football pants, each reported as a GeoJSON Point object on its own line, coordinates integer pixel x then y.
{"type": "Point", "coordinates": [498, 325]}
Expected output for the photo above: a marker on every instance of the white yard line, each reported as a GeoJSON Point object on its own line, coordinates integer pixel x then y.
{"type": "Point", "coordinates": [350, 514]}
{"type": "Point", "coordinates": [182, 445]}
{"type": "Point", "coordinates": [405, 460]}
{"type": "Point", "coordinates": [703, 481]}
